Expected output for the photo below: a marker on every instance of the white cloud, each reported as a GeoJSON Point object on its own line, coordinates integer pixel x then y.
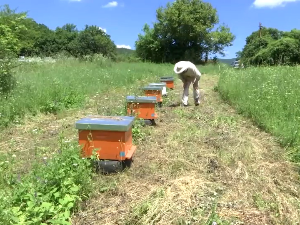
{"type": "Point", "coordinates": [271, 3]}
{"type": "Point", "coordinates": [110, 4]}
{"type": "Point", "coordinates": [124, 46]}
{"type": "Point", "coordinates": [100, 28]}
{"type": "Point", "coordinates": [75, 0]}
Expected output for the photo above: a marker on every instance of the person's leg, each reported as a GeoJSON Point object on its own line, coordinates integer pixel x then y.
{"type": "Point", "coordinates": [185, 95]}
{"type": "Point", "coordinates": [196, 91]}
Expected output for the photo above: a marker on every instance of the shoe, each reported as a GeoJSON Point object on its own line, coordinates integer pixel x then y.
{"type": "Point", "coordinates": [184, 105]}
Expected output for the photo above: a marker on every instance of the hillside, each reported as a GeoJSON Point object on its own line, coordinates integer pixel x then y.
{"type": "Point", "coordinates": [125, 51]}
{"type": "Point", "coordinates": [227, 61]}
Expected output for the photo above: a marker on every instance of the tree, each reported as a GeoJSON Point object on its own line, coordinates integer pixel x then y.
{"type": "Point", "coordinates": [65, 38]}
{"type": "Point", "coordinates": [11, 24]}
{"type": "Point", "coordinates": [93, 40]}
{"type": "Point", "coordinates": [238, 55]}
{"type": "Point", "coordinates": [273, 47]}
{"type": "Point", "coordinates": [45, 42]}
{"type": "Point", "coordinates": [10, 27]}
{"type": "Point", "coordinates": [184, 31]}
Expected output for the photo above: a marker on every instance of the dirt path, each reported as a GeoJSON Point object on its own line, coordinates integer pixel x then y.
{"type": "Point", "coordinates": [195, 160]}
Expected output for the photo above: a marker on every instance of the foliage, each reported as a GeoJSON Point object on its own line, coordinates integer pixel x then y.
{"type": "Point", "coordinates": [10, 27]}
{"type": "Point", "coordinates": [52, 87]}
{"type": "Point", "coordinates": [25, 37]}
{"type": "Point", "coordinates": [274, 47]}
{"type": "Point", "coordinates": [184, 31]}
{"type": "Point", "coordinates": [93, 40]}
{"type": "Point", "coordinates": [270, 97]}
{"type": "Point", "coordinates": [50, 192]}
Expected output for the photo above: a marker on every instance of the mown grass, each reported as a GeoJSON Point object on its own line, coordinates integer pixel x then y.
{"type": "Point", "coordinates": [51, 191]}
{"type": "Point", "coordinates": [270, 96]}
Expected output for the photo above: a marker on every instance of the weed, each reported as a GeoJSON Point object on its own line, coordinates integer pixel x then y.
{"type": "Point", "coordinates": [50, 192]}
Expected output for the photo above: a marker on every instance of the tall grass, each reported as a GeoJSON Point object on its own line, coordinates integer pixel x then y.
{"type": "Point", "coordinates": [271, 97]}
{"type": "Point", "coordinates": [52, 87]}
{"type": "Point", "coordinates": [51, 191]}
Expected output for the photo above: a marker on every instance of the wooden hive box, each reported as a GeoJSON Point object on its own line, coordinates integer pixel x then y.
{"type": "Point", "coordinates": [163, 85]}
{"type": "Point", "coordinates": [111, 135]}
{"type": "Point", "coordinates": [169, 81]}
{"type": "Point", "coordinates": [143, 107]}
{"type": "Point", "coordinates": [154, 91]}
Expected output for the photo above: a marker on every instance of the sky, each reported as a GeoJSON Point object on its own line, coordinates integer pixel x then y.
{"type": "Point", "coordinates": [123, 20]}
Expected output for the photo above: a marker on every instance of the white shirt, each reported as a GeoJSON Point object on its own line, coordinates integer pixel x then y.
{"type": "Point", "coordinates": [191, 70]}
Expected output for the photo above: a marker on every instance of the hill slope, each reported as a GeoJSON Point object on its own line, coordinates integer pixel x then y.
{"type": "Point", "coordinates": [227, 61]}
{"type": "Point", "coordinates": [125, 51]}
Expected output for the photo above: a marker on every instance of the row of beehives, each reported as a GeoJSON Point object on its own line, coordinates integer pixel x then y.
{"type": "Point", "coordinates": [111, 136]}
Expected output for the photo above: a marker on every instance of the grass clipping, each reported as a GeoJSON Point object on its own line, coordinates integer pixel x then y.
{"type": "Point", "coordinates": [179, 197]}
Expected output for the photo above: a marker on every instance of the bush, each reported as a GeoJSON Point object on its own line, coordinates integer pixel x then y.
{"type": "Point", "coordinates": [7, 79]}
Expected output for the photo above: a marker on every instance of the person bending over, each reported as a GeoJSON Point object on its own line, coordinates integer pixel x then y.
{"type": "Point", "coordinates": [188, 73]}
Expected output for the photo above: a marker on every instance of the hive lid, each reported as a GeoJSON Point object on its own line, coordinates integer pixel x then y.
{"type": "Point", "coordinates": [108, 123]}
{"type": "Point", "coordinates": [158, 84]}
{"type": "Point", "coordinates": [166, 78]}
{"type": "Point", "coordinates": [141, 99]}
{"type": "Point", "coordinates": [153, 88]}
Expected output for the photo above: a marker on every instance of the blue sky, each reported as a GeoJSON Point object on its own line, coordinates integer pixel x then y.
{"type": "Point", "coordinates": [124, 19]}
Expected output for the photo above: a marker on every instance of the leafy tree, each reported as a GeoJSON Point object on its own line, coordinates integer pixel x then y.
{"type": "Point", "coordinates": [20, 35]}
{"type": "Point", "coordinates": [93, 40]}
{"type": "Point", "coordinates": [184, 31]}
{"type": "Point", "coordinates": [45, 42]}
{"type": "Point", "coordinates": [10, 27]}
{"type": "Point", "coordinates": [65, 37]}
{"type": "Point", "coordinates": [273, 47]}
{"type": "Point", "coordinates": [238, 55]}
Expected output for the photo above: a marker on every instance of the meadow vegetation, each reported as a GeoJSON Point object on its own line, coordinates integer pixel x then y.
{"type": "Point", "coordinates": [51, 87]}
{"type": "Point", "coordinates": [270, 97]}
{"type": "Point", "coordinates": [229, 169]}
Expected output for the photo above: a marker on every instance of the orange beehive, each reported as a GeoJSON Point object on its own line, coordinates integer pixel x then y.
{"type": "Point", "coordinates": [169, 81]}
{"type": "Point", "coordinates": [143, 107]}
{"type": "Point", "coordinates": [161, 84]}
{"type": "Point", "coordinates": [154, 91]}
{"type": "Point", "coordinates": [110, 135]}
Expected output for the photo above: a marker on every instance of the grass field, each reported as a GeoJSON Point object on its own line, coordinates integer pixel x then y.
{"type": "Point", "coordinates": [198, 165]}
{"type": "Point", "coordinates": [271, 97]}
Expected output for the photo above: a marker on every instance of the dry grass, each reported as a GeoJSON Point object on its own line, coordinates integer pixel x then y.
{"type": "Point", "coordinates": [195, 160]}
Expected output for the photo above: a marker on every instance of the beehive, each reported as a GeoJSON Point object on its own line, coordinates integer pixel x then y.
{"type": "Point", "coordinates": [163, 85]}
{"type": "Point", "coordinates": [143, 107]}
{"type": "Point", "coordinates": [154, 91]}
{"type": "Point", "coordinates": [169, 81]}
{"type": "Point", "coordinates": [110, 135]}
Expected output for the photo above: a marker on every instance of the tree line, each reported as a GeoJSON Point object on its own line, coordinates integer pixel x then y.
{"type": "Point", "coordinates": [185, 30]}
{"type": "Point", "coordinates": [20, 35]}
{"type": "Point", "coordinates": [272, 47]}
